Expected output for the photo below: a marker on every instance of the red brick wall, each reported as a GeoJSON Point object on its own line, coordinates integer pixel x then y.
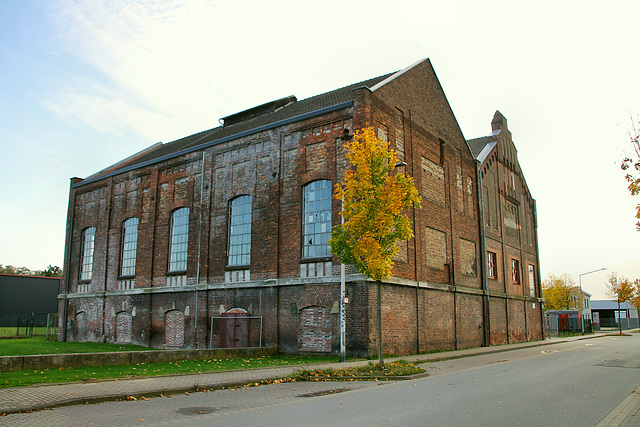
{"type": "Point", "coordinates": [273, 166]}
{"type": "Point", "coordinates": [498, 314]}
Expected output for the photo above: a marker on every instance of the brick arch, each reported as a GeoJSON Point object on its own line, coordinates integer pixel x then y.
{"type": "Point", "coordinates": [174, 328]}
{"type": "Point", "coordinates": [123, 327]}
{"type": "Point", "coordinates": [81, 329]}
{"type": "Point", "coordinates": [312, 300]}
{"type": "Point", "coordinates": [315, 330]}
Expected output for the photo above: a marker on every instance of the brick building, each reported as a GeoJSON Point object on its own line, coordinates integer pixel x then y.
{"type": "Point", "coordinates": [219, 239]}
{"type": "Point", "coordinates": [510, 236]}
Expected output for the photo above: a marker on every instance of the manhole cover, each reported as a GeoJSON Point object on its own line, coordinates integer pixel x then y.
{"type": "Point", "coordinates": [619, 363]}
{"type": "Point", "coordinates": [197, 410]}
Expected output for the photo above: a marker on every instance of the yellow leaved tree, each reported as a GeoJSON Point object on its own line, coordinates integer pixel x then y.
{"type": "Point", "coordinates": [374, 202]}
{"type": "Point", "coordinates": [619, 289]}
{"type": "Point", "coordinates": [632, 167]}
{"type": "Point", "coordinates": [560, 292]}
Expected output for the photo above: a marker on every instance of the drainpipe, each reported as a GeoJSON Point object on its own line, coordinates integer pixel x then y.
{"type": "Point", "coordinates": [67, 253]}
{"type": "Point", "coordinates": [199, 246]}
{"type": "Point", "coordinates": [483, 254]}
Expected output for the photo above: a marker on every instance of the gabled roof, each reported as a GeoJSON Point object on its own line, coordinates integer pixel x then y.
{"type": "Point", "coordinates": [285, 110]}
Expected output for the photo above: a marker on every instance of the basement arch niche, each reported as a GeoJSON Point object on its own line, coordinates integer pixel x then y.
{"type": "Point", "coordinates": [315, 330]}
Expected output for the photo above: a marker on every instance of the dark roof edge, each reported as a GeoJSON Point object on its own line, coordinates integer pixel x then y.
{"type": "Point", "coordinates": [208, 144]}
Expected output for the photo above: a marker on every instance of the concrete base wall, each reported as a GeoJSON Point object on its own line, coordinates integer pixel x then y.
{"type": "Point", "coordinates": [19, 363]}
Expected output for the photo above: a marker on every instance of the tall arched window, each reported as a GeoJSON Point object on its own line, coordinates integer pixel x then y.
{"type": "Point", "coordinates": [129, 247]}
{"type": "Point", "coordinates": [316, 221]}
{"type": "Point", "coordinates": [86, 254]}
{"type": "Point", "coordinates": [179, 240]}
{"type": "Point", "coordinates": [239, 250]}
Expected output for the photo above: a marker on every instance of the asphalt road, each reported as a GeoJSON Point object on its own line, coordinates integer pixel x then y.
{"type": "Point", "coordinates": [569, 384]}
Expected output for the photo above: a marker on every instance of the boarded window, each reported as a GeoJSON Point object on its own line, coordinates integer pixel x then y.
{"type": "Point", "coordinates": [436, 248]}
{"type": "Point", "coordinates": [433, 182]}
{"type": "Point", "coordinates": [468, 259]}
{"type": "Point", "coordinates": [511, 221]}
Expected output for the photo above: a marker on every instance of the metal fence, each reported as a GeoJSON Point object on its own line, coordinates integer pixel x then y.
{"type": "Point", "coordinates": [29, 325]}
{"type": "Point", "coordinates": [557, 326]}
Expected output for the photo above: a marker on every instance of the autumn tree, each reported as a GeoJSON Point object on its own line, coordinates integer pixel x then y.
{"type": "Point", "coordinates": [559, 292]}
{"type": "Point", "coordinates": [619, 289]}
{"type": "Point", "coordinates": [50, 271]}
{"type": "Point", "coordinates": [631, 165]}
{"type": "Point", "coordinates": [635, 299]}
{"type": "Point", "coordinates": [374, 202]}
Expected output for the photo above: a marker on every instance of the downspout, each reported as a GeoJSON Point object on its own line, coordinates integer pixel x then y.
{"type": "Point", "coordinates": [415, 238]}
{"type": "Point", "coordinates": [539, 284]}
{"type": "Point", "coordinates": [106, 261]}
{"type": "Point", "coordinates": [199, 246]}
{"type": "Point", "coordinates": [67, 254]}
{"type": "Point", "coordinates": [483, 254]}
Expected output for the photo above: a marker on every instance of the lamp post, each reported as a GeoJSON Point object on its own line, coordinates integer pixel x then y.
{"type": "Point", "coordinates": [343, 347]}
{"type": "Point", "coordinates": [580, 299]}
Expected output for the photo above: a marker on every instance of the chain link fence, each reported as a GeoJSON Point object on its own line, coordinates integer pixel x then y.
{"type": "Point", "coordinates": [29, 325]}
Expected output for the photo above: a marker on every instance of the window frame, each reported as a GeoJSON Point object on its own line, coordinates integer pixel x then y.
{"type": "Point", "coordinates": [515, 271]}
{"type": "Point", "coordinates": [176, 265]}
{"type": "Point", "coordinates": [85, 271]}
{"type": "Point", "coordinates": [244, 255]}
{"type": "Point", "coordinates": [492, 261]}
{"type": "Point", "coordinates": [129, 247]}
{"type": "Point", "coordinates": [311, 250]}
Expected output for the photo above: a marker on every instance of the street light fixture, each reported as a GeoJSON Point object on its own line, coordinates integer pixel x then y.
{"type": "Point", "coordinates": [580, 282]}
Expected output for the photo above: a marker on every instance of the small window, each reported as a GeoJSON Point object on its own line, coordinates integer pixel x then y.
{"type": "Point", "coordinates": [179, 240]}
{"type": "Point", "coordinates": [532, 280]}
{"type": "Point", "coordinates": [86, 254]}
{"type": "Point", "coordinates": [129, 247]}
{"type": "Point", "coordinates": [515, 271]}
{"type": "Point", "coordinates": [492, 273]}
{"type": "Point", "coordinates": [239, 250]}
{"type": "Point", "coordinates": [317, 219]}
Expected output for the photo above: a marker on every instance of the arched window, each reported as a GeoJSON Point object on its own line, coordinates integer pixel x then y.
{"type": "Point", "coordinates": [129, 247]}
{"type": "Point", "coordinates": [86, 254]}
{"type": "Point", "coordinates": [179, 240]}
{"type": "Point", "coordinates": [239, 249]}
{"type": "Point", "coordinates": [316, 221]}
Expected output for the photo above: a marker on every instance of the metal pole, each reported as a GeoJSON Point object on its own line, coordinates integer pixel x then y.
{"type": "Point", "coordinates": [380, 358]}
{"type": "Point", "coordinates": [343, 347]}
{"type": "Point", "coordinates": [580, 299]}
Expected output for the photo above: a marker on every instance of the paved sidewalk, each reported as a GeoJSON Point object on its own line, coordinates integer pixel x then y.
{"type": "Point", "coordinates": [30, 398]}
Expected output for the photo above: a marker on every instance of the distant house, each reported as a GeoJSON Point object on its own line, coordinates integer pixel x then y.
{"type": "Point", "coordinates": [567, 320]}
{"type": "Point", "coordinates": [607, 314]}
{"type": "Point", "coordinates": [20, 295]}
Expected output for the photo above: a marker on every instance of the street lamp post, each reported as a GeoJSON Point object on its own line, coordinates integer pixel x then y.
{"type": "Point", "coordinates": [343, 347]}
{"type": "Point", "coordinates": [580, 299]}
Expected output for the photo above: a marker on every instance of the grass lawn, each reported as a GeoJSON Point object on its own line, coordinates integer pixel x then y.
{"type": "Point", "coordinates": [87, 373]}
{"type": "Point", "coordinates": [371, 371]}
{"type": "Point", "coordinates": [38, 345]}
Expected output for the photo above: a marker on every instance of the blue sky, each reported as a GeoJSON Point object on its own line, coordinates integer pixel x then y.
{"type": "Point", "coordinates": [88, 82]}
